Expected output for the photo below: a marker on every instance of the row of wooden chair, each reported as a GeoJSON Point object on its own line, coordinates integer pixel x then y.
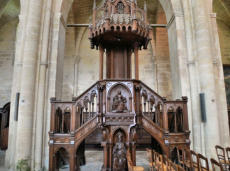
{"type": "Point", "coordinates": [190, 160]}
{"type": "Point", "coordinates": [131, 167]}
{"type": "Point", "coordinates": [159, 162]}
{"type": "Point", "coordinates": [187, 160]}
{"type": "Point", "coordinates": [223, 155]}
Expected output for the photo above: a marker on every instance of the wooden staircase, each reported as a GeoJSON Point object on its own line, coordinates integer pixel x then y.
{"type": "Point", "coordinates": [111, 105]}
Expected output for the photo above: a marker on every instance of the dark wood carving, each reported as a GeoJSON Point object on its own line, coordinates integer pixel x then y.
{"type": "Point", "coordinates": [4, 126]}
{"type": "Point", "coordinates": [117, 111]}
{"type": "Point", "coordinates": [119, 103]}
{"type": "Point", "coordinates": [119, 153]}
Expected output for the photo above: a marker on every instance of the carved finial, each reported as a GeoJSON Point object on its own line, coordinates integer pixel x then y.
{"type": "Point", "coordinates": [145, 6]}
{"type": "Point", "coordinates": [94, 4]}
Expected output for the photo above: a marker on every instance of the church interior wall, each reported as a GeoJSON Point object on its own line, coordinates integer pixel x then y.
{"type": "Point", "coordinates": [8, 24]}
{"type": "Point", "coordinates": [7, 46]}
{"type": "Point", "coordinates": [80, 69]}
{"type": "Point", "coordinates": [224, 36]}
{"type": "Point", "coordinates": [81, 63]}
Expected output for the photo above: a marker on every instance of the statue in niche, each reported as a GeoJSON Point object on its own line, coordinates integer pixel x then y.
{"type": "Point", "coordinates": [119, 154]}
{"type": "Point", "coordinates": [120, 8]}
{"type": "Point", "coordinates": [119, 103]}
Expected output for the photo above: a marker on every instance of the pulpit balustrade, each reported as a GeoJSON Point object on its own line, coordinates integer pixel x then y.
{"type": "Point", "coordinates": [127, 103]}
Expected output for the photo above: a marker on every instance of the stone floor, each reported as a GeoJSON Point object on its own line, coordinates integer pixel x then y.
{"type": "Point", "coordinates": [2, 157]}
{"type": "Point", "coordinates": [94, 161]}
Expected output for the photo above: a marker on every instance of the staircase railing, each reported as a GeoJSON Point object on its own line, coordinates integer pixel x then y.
{"type": "Point", "coordinates": [171, 116]}
{"type": "Point", "coordinates": [67, 117]}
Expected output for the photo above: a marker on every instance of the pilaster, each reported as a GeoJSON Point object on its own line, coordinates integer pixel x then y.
{"type": "Point", "coordinates": [28, 79]}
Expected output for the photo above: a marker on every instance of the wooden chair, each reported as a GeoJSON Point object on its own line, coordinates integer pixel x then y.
{"type": "Point", "coordinates": [159, 164]}
{"type": "Point", "coordinates": [150, 155]}
{"type": "Point", "coordinates": [220, 152]}
{"type": "Point", "coordinates": [228, 154]}
{"type": "Point", "coordinates": [216, 166]}
{"type": "Point", "coordinates": [228, 158]}
{"type": "Point", "coordinates": [203, 163]}
{"type": "Point", "coordinates": [194, 161]}
{"type": "Point", "coordinates": [187, 160]}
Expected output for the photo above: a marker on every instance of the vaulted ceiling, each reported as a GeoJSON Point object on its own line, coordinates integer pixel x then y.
{"type": "Point", "coordinates": [82, 10]}
{"type": "Point", "coordinates": [222, 8]}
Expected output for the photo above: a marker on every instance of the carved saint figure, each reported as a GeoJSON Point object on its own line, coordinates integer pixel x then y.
{"type": "Point", "coordinates": [119, 154]}
{"type": "Point", "coordinates": [119, 103]}
{"type": "Point", "coordinates": [120, 8]}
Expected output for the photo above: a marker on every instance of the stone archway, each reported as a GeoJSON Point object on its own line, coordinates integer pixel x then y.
{"type": "Point", "coordinates": [181, 57]}
{"type": "Point", "coordinates": [176, 35]}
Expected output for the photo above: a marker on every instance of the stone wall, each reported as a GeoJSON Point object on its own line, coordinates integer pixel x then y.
{"type": "Point", "coordinates": [7, 46]}
{"type": "Point", "coordinates": [224, 36]}
{"type": "Point", "coordinates": [81, 64]}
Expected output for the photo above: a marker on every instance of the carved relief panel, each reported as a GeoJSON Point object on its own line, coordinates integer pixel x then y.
{"type": "Point", "coordinates": [119, 152]}
{"type": "Point", "coordinates": [119, 99]}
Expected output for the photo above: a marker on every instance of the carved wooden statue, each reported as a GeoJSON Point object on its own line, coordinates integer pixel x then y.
{"type": "Point", "coordinates": [118, 105]}
{"type": "Point", "coordinates": [119, 154]}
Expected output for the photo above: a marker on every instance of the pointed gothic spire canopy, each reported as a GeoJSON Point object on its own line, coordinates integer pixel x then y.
{"type": "Point", "coordinates": [145, 6]}
{"type": "Point", "coordinates": [127, 22]}
{"type": "Point", "coordinates": [94, 4]}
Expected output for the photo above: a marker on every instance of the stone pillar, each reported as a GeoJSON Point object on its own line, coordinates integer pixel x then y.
{"type": "Point", "coordinates": [220, 93]}
{"type": "Point", "coordinates": [206, 75]}
{"type": "Point", "coordinates": [55, 74]}
{"type": "Point", "coordinates": [40, 106]}
{"type": "Point", "coordinates": [28, 79]}
{"type": "Point", "coordinates": [194, 117]}
{"type": "Point", "coordinates": [20, 41]}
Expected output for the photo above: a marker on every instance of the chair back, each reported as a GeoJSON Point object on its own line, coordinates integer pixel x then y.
{"type": "Point", "coordinates": [228, 154]}
{"type": "Point", "coordinates": [216, 166]}
{"type": "Point", "coordinates": [220, 154]}
{"type": "Point", "coordinates": [194, 161]}
{"type": "Point", "coordinates": [203, 163]}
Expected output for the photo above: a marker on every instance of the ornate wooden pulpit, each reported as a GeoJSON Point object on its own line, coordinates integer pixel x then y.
{"type": "Point", "coordinates": [117, 104]}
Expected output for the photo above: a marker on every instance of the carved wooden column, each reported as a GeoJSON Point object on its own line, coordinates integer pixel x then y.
{"type": "Point", "coordinates": [165, 118]}
{"type": "Point", "coordinates": [101, 88]}
{"type": "Point", "coordinates": [72, 160]}
{"type": "Point", "coordinates": [94, 13]}
{"type": "Point", "coordinates": [73, 119]}
{"type": "Point", "coordinates": [136, 62]}
{"type": "Point", "coordinates": [110, 155]}
{"type": "Point", "coordinates": [51, 159]}
{"type": "Point", "coordinates": [53, 110]}
{"type": "Point", "coordinates": [134, 153]}
{"type": "Point", "coordinates": [101, 52]}
{"type": "Point", "coordinates": [138, 103]}
{"type": "Point", "coordinates": [106, 156]}
{"type": "Point", "coordinates": [185, 114]}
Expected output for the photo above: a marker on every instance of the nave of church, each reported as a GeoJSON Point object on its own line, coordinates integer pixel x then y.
{"type": "Point", "coordinates": [114, 84]}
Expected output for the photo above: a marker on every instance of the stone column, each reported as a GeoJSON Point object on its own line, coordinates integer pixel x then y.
{"type": "Point", "coordinates": [28, 79]}
{"type": "Point", "coordinates": [40, 106]}
{"type": "Point", "coordinates": [20, 41]}
{"type": "Point", "coordinates": [220, 93]}
{"type": "Point", "coordinates": [194, 118]}
{"type": "Point", "coordinates": [206, 75]}
{"type": "Point", "coordinates": [55, 74]}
